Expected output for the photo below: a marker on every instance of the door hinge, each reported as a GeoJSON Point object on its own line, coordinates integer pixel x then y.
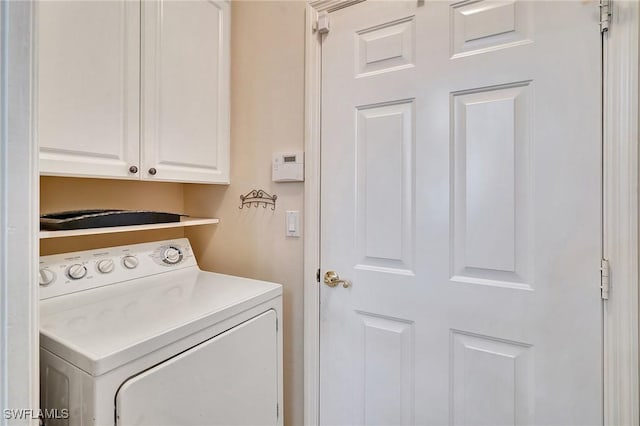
{"type": "Point", "coordinates": [322, 23]}
{"type": "Point", "coordinates": [604, 279]}
{"type": "Point", "coordinates": [277, 325]}
{"type": "Point", "coordinates": [605, 15]}
{"type": "Point", "coordinates": [318, 275]}
{"type": "Point", "coordinates": [277, 410]}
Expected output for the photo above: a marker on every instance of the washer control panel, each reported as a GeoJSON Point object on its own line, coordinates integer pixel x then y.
{"type": "Point", "coordinates": [169, 255]}
{"type": "Point", "coordinates": [71, 272]}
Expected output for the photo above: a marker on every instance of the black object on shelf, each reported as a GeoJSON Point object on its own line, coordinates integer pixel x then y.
{"type": "Point", "coordinates": [103, 218]}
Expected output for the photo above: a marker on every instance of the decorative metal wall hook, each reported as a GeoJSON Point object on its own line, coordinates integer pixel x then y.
{"type": "Point", "coordinates": [257, 197]}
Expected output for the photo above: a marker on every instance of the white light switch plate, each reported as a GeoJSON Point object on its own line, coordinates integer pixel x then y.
{"type": "Point", "coordinates": [292, 225]}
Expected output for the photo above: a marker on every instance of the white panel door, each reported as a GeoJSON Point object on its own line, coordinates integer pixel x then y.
{"type": "Point", "coordinates": [185, 91]}
{"type": "Point", "coordinates": [230, 380]}
{"type": "Point", "coordinates": [461, 197]}
{"type": "Point", "coordinates": [88, 74]}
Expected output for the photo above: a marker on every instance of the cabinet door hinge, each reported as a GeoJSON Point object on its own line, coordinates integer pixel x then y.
{"type": "Point", "coordinates": [277, 410]}
{"type": "Point", "coordinates": [318, 275]}
{"type": "Point", "coordinates": [605, 15]}
{"type": "Point", "coordinates": [604, 279]}
{"type": "Point", "coordinates": [322, 23]}
{"type": "Point", "coordinates": [277, 325]}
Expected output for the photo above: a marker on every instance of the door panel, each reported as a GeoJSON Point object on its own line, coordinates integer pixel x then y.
{"type": "Point", "coordinates": [385, 147]}
{"type": "Point", "coordinates": [386, 47]}
{"type": "Point", "coordinates": [461, 197]}
{"type": "Point", "coordinates": [479, 27]}
{"type": "Point", "coordinates": [491, 380]}
{"type": "Point", "coordinates": [491, 186]}
{"type": "Point", "coordinates": [386, 369]}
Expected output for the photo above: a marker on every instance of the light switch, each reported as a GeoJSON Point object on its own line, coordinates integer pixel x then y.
{"type": "Point", "coordinates": [293, 223]}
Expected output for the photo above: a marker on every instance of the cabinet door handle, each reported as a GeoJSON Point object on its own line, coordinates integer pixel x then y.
{"type": "Point", "coordinates": [153, 171]}
{"type": "Point", "coordinates": [133, 169]}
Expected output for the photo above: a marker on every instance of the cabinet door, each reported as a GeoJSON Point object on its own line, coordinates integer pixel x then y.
{"type": "Point", "coordinates": [185, 91]}
{"type": "Point", "coordinates": [88, 87]}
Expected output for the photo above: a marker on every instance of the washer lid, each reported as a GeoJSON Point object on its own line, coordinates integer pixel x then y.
{"type": "Point", "coordinates": [101, 329]}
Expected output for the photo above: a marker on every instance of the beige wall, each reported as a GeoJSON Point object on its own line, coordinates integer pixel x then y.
{"type": "Point", "coordinates": [267, 89]}
{"type": "Point", "coordinates": [60, 194]}
{"type": "Point", "coordinates": [267, 105]}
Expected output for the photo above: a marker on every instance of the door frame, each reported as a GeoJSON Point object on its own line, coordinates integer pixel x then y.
{"type": "Point", "coordinates": [620, 211]}
{"type": "Point", "coordinates": [19, 210]}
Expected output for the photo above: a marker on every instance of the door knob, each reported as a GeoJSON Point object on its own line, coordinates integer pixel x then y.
{"type": "Point", "coordinates": [332, 279]}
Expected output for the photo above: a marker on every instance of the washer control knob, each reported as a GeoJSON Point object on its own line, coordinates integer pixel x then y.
{"type": "Point", "coordinates": [172, 255]}
{"type": "Point", "coordinates": [76, 271]}
{"type": "Point", "coordinates": [46, 276]}
{"type": "Point", "coordinates": [130, 262]}
{"type": "Point", "coordinates": [105, 266]}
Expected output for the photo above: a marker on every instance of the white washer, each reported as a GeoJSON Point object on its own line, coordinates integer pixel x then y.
{"type": "Point", "coordinates": [139, 335]}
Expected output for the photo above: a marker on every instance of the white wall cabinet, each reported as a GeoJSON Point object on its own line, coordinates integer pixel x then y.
{"type": "Point", "coordinates": [88, 97]}
{"type": "Point", "coordinates": [134, 90]}
{"type": "Point", "coordinates": [185, 90]}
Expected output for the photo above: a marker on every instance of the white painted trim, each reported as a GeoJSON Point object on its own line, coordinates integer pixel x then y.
{"type": "Point", "coordinates": [331, 5]}
{"type": "Point", "coordinates": [620, 215]}
{"type": "Point", "coordinates": [312, 206]}
{"type": "Point", "coordinates": [313, 92]}
{"type": "Point", "coordinates": [312, 220]}
{"type": "Point", "coordinates": [19, 205]}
